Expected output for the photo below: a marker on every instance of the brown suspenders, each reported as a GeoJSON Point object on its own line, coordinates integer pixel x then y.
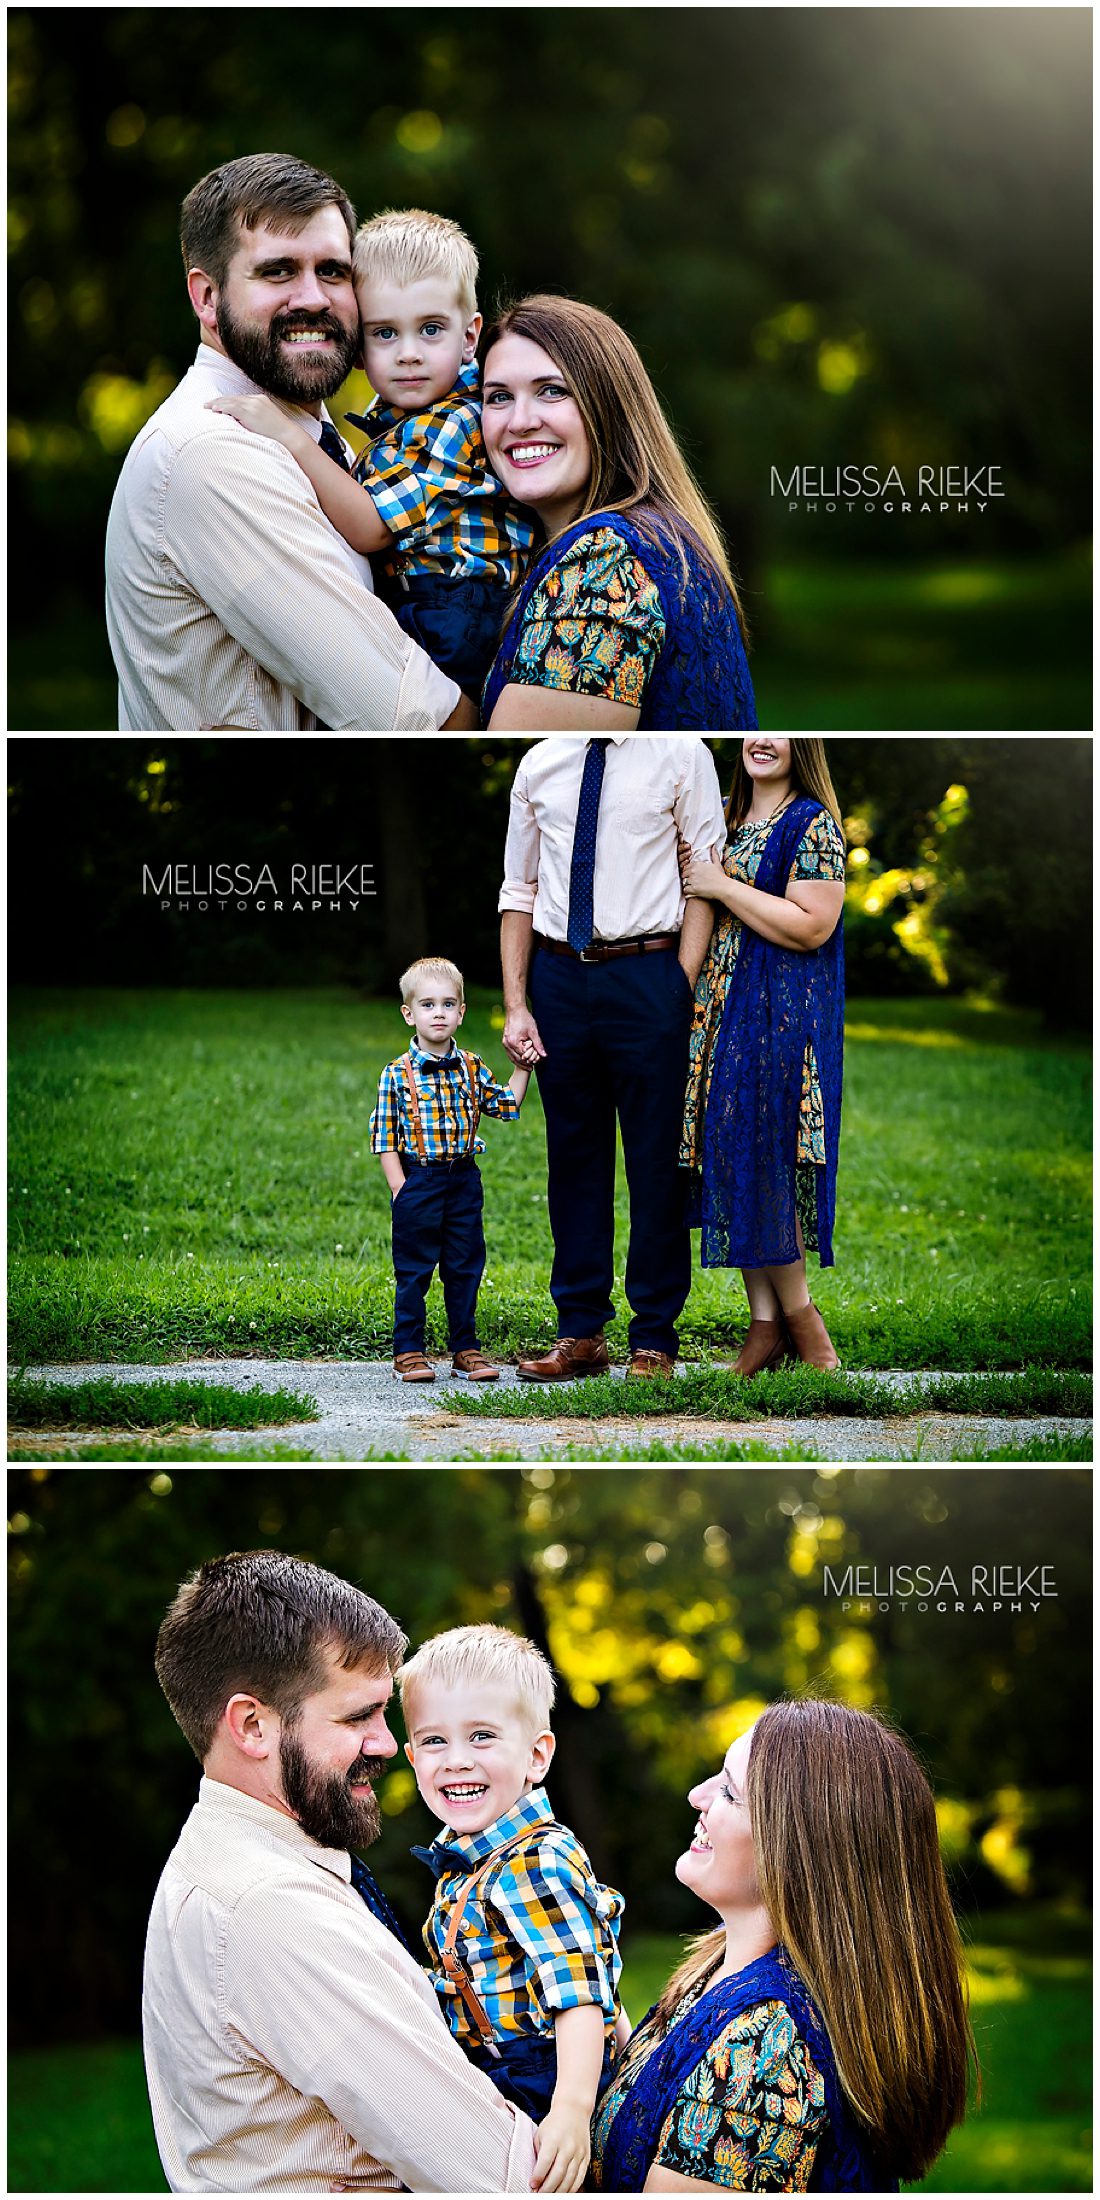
{"type": "Point", "coordinates": [452, 1963]}
{"type": "Point", "coordinates": [407, 1076]}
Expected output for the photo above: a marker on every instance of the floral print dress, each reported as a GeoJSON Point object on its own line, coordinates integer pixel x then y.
{"type": "Point", "coordinates": [594, 624]}
{"type": "Point", "coordinates": [820, 855]}
{"type": "Point", "coordinates": [749, 2117]}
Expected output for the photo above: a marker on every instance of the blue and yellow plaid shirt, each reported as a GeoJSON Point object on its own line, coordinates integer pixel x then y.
{"type": "Point", "coordinates": [540, 1933]}
{"type": "Point", "coordinates": [429, 476]}
{"type": "Point", "coordinates": [443, 1090]}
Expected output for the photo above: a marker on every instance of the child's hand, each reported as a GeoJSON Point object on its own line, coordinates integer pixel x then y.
{"type": "Point", "coordinates": [262, 415]}
{"type": "Point", "coordinates": [563, 2145]}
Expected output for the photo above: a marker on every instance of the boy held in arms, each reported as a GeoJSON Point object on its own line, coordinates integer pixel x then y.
{"type": "Point", "coordinates": [523, 1938]}
{"type": "Point", "coordinates": [422, 492]}
{"type": "Point", "coordinates": [424, 1131]}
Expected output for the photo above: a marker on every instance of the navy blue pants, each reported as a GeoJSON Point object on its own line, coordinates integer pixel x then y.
{"type": "Point", "coordinates": [456, 621]}
{"type": "Point", "coordinates": [526, 2071]}
{"type": "Point", "coordinates": [435, 1222]}
{"type": "Point", "coordinates": [616, 1039]}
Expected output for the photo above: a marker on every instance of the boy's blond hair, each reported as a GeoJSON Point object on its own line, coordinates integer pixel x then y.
{"type": "Point", "coordinates": [430, 966]}
{"type": "Point", "coordinates": [406, 247]}
{"type": "Point", "coordinates": [465, 1656]}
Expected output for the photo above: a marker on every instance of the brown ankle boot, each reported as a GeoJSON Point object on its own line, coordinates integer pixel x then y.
{"type": "Point", "coordinates": [764, 1346]}
{"type": "Point", "coordinates": [810, 1338]}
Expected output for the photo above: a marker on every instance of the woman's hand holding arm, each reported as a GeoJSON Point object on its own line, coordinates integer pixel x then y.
{"type": "Point", "coordinates": [805, 917]}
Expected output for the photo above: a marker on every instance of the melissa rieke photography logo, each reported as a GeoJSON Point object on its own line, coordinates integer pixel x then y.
{"type": "Point", "coordinates": [333, 887]}
{"type": "Point", "coordinates": [854, 488]}
{"type": "Point", "coordinates": [997, 1588]}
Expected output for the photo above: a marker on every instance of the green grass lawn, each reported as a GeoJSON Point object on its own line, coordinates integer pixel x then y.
{"type": "Point", "coordinates": [979, 644]}
{"type": "Point", "coordinates": [190, 1174]}
{"type": "Point", "coordinates": [78, 2117]}
{"type": "Point", "coordinates": [176, 1404]}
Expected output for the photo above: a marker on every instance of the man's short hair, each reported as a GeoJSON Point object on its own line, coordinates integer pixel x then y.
{"type": "Point", "coordinates": [469, 1656]}
{"type": "Point", "coordinates": [409, 246]}
{"type": "Point", "coordinates": [261, 1624]}
{"type": "Point", "coordinates": [260, 187]}
{"type": "Point", "coordinates": [430, 966]}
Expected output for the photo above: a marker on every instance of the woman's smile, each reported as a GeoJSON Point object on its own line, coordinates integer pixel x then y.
{"type": "Point", "coordinates": [531, 454]}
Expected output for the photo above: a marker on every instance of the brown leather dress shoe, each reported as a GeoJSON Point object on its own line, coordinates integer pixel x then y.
{"type": "Point", "coordinates": [473, 1365]}
{"type": "Point", "coordinates": [568, 1357]}
{"type": "Point", "coordinates": [765, 1345]}
{"type": "Point", "coordinates": [646, 1363]}
{"type": "Point", "coordinates": [810, 1338]}
{"type": "Point", "coordinates": [412, 1367]}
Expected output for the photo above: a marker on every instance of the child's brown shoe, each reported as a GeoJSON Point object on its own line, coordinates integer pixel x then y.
{"type": "Point", "coordinates": [473, 1367]}
{"type": "Point", "coordinates": [412, 1367]}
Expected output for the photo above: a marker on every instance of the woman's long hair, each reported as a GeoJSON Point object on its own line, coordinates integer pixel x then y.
{"type": "Point", "coordinates": [809, 772]}
{"type": "Point", "coordinates": [849, 1870]}
{"type": "Point", "coordinates": [637, 464]}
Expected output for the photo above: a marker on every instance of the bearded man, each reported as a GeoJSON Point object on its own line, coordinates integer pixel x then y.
{"type": "Point", "coordinates": [292, 2042]}
{"type": "Point", "coordinates": [231, 601]}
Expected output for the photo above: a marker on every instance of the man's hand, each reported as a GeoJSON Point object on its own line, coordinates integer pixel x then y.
{"type": "Point", "coordinates": [521, 1040]}
{"type": "Point", "coordinates": [263, 416]}
{"type": "Point", "coordinates": [563, 2145]}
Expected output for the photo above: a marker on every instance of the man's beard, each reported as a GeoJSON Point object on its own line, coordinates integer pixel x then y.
{"type": "Point", "coordinates": [259, 353]}
{"type": "Point", "coordinates": [334, 1813]}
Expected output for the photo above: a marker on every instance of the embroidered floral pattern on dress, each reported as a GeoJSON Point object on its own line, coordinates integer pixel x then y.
{"type": "Point", "coordinates": [748, 2117]}
{"type": "Point", "coordinates": [593, 625]}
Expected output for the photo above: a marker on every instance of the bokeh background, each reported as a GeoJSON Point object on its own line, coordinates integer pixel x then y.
{"type": "Point", "coordinates": [837, 235]}
{"type": "Point", "coordinates": [674, 1604]}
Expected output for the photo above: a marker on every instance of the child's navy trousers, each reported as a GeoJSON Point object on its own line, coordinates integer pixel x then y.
{"type": "Point", "coordinates": [436, 1223]}
{"type": "Point", "coordinates": [525, 2070]}
{"type": "Point", "coordinates": [458, 622]}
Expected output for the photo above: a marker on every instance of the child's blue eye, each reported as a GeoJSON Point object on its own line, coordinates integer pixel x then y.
{"type": "Point", "coordinates": [432, 328]}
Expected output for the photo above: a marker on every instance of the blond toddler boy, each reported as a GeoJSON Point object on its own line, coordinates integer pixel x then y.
{"type": "Point", "coordinates": [523, 1937]}
{"type": "Point", "coordinates": [424, 1131]}
{"type": "Point", "coordinates": [451, 545]}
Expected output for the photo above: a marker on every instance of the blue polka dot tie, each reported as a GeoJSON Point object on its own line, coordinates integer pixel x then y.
{"type": "Point", "coordinates": [332, 445]}
{"type": "Point", "coordinates": [365, 1884]}
{"type": "Point", "coordinates": [582, 869]}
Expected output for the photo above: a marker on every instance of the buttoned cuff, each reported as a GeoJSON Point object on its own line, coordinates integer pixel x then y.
{"type": "Point", "coordinates": [425, 698]}
{"type": "Point", "coordinates": [516, 893]}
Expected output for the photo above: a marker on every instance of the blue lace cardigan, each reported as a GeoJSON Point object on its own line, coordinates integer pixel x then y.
{"type": "Point", "coordinates": [701, 680]}
{"type": "Point", "coordinates": [844, 2160]}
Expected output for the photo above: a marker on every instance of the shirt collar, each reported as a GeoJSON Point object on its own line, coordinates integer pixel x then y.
{"type": "Point", "coordinates": [421, 1059]}
{"type": "Point", "coordinates": [379, 418]}
{"type": "Point", "coordinates": [471, 1849]}
{"type": "Point", "coordinates": [232, 1802]}
{"type": "Point", "coordinates": [226, 376]}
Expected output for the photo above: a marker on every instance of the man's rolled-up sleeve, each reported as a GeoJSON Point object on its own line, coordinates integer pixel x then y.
{"type": "Point", "coordinates": [521, 852]}
{"type": "Point", "coordinates": [244, 529]}
{"type": "Point", "coordinates": [698, 807]}
{"type": "Point", "coordinates": [331, 2002]}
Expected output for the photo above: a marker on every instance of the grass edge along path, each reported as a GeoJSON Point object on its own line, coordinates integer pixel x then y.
{"type": "Point", "coordinates": [787, 1394]}
{"type": "Point", "coordinates": [147, 1405]}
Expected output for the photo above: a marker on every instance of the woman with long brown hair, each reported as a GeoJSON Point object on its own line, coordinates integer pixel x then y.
{"type": "Point", "coordinates": [628, 616]}
{"type": "Point", "coordinates": [817, 2039]}
{"type": "Point", "coordinates": [762, 1110]}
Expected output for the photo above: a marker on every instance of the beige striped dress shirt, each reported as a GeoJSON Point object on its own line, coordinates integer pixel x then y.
{"type": "Point", "coordinates": [654, 785]}
{"type": "Point", "coordinates": [231, 601]}
{"type": "Point", "coordinates": [291, 2045]}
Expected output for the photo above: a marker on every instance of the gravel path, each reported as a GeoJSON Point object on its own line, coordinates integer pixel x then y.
{"type": "Point", "coordinates": [364, 1411]}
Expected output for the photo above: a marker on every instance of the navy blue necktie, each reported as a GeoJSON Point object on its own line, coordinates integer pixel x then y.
{"type": "Point", "coordinates": [365, 1883]}
{"type": "Point", "coordinates": [332, 446]}
{"type": "Point", "coordinates": [582, 869]}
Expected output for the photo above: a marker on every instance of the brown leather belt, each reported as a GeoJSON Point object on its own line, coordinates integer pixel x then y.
{"type": "Point", "coordinates": [607, 950]}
